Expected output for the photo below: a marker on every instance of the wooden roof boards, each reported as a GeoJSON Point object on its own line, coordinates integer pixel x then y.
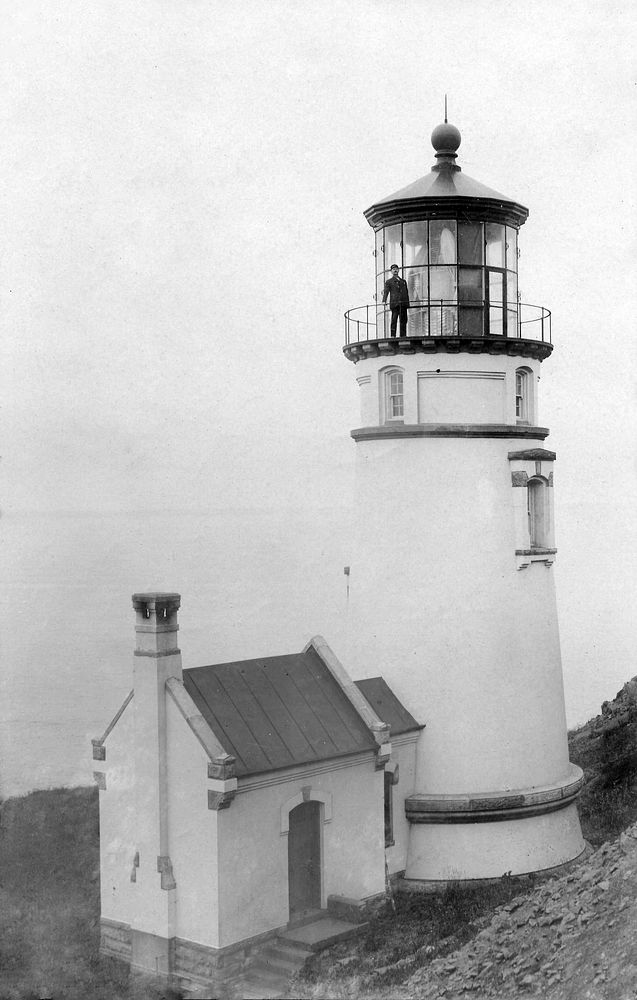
{"type": "Point", "coordinates": [385, 703]}
{"type": "Point", "coordinates": [278, 711]}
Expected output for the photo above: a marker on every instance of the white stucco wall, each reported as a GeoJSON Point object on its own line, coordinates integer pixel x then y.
{"type": "Point", "coordinates": [254, 869]}
{"type": "Point", "coordinates": [192, 829]}
{"type": "Point", "coordinates": [437, 605]}
{"type": "Point", "coordinates": [453, 388]}
{"type": "Point", "coordinates": [117, 822]}
{"type": "Point", "coordinates": [448, 395]}
{"type": "Point", "coordinates": [403, 754]}
{"type": "Point", "coordinates": [154, 905]}
{"type": "Point", "coordinates": [230, 866]}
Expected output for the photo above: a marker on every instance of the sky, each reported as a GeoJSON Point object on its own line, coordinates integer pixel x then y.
{"type": "Point", "coordinates": [182, 186]}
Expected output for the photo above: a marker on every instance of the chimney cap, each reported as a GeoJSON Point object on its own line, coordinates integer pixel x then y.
{"type": "Point", "coordinates": [156, 597]}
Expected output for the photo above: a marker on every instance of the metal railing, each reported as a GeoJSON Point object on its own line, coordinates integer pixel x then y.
{"type": "Point", "coordinates": [444, 318]}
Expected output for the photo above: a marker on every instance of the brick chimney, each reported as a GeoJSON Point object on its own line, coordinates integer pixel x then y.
{"type": "Point", "coordinates": [157, 657]}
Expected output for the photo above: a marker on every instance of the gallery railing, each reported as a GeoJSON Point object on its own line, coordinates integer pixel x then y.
{"type": "Point", "coordinates": [444, 318]}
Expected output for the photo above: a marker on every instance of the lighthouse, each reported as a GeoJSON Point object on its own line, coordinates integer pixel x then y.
{"type": "Point", "coordinates": [451, 582]}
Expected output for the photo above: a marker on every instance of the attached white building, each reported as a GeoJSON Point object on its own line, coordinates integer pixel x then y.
{"type": "Point", "coordinates": [241, 798]}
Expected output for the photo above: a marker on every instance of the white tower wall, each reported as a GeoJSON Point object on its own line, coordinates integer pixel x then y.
{"type": "Point", "coordinates": [459, 622]}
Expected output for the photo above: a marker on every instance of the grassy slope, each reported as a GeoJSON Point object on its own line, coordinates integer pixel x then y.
{"type": "Point", "coordinates": [49, 902]}
{"type": "Point", "coordinates": [606, 750]}
{"type": "Point", "coordinates": [397, 944]}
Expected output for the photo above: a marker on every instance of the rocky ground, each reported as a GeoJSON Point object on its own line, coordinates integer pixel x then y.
{"type": "Point", "coordinates": [572, 938]}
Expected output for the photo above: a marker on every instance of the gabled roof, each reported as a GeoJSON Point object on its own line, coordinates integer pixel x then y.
{"type": "Point", "coordinates": [278, 711]}
{"type": "Point", "coordinates": [386, 705]}
{"type": "Point", "coordinates": [255, 716]}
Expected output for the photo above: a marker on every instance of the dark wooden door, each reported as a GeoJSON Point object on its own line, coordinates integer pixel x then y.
{"type": "Point", "coordinates": [304, 859]}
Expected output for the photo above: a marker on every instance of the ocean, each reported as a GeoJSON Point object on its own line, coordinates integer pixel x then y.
{"type": "Point", "coordinates": [253, 583]}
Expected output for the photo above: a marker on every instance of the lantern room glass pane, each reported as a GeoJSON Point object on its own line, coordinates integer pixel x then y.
{"type": "Point", "coordinates": [380, 266]}
{"type": "Point", "coordinates": [496, 327]}
{"type": "Point", "coordinates": [470, 284]}
{"type": "Point", "coordinates": [496, 288]}
{"type": "Point", "coordinates": [393, 249]}
{"type": "Point", "coordinates": [495, 244]}
{"type": "Point", "coordinates": [471, 321]}
{"type": "Point", "coordinates": [512, 290]}
{"type": "Point", "coordinates": [443, 321]}
{"type": "Point", "coordinates": [380, 286]}
{"type": "Point", "coordinates": [442, 242]}
{"type": "Point", "coordinates": [442, 284]}
{"type": "Point", "coordinates": [470, 243]}
{"type": "Point", "coordinates": [418, 322]}
{"type": "Point", "coordinates": [512, 248]}
{"type": "Point", "coordinates": [512, 323]}
{"type": "Point", "coordinates": [415, 243]}
{"type": "Point", "coordinates": [416, 278]}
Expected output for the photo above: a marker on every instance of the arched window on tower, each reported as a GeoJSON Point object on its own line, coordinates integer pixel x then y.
{"type": "Point", "coordinates": [524, 396]}
{"type": "Point", "coordinates": [393, 394]}
{"type": "Point", "coordinates": [538, 510]}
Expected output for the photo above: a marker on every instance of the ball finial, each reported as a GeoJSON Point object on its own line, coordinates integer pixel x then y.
{"type": "Point", "coordinates": [445, 139]}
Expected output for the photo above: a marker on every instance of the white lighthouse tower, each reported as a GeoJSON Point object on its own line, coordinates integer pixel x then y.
{"type": "Point", "coordinates": [452, 595]}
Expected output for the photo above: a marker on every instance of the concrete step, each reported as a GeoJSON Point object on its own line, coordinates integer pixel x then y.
{"type": "Point", "coordinates": [277, 960]}
{"type": "Point", "coordinates": [272, 967]}
{"type": "Point", "coordinates": [321, 933]}
{"type": "Point", "coordinates": [282, 957]}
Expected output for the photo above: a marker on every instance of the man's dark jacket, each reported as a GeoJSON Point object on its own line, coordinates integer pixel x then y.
{"type": "Point", "coordinates": [398, 292]}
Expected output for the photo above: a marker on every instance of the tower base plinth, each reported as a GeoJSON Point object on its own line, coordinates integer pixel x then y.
{"type": "Point", "coordinates": [489, 835]}
{"type": "Point", "coordinates": [419, 886]}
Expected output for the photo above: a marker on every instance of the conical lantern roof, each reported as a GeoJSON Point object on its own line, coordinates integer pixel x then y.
{"type": "Point", "coordinates": [446, 190]}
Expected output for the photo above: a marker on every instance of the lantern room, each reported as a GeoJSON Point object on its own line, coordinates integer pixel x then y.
{"type": "Point", "coordinates": [455, 243]}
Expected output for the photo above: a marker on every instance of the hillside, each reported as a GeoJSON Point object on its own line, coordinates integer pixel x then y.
{"type": "Point", "coordinates": [49, 902]}
{"type": "Point", "coordinates": [606, 749]}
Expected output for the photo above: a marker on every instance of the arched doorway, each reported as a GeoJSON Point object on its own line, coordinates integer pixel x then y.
{"type": "Point", "coordinates": [304, 859]}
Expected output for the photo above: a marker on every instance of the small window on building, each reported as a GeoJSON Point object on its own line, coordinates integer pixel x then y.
{"type": "Point", "coordinates": [394, 396]}
{"type": "Point", "coordinates": [538, 513]}
{"type": "Point", "coordinates": [523, 395]}
{"type": "Point", "coordinates": [389, 809]}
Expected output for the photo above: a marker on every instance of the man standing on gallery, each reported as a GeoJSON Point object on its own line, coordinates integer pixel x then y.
{"type": "Point", "coordinates": [396, 289]}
